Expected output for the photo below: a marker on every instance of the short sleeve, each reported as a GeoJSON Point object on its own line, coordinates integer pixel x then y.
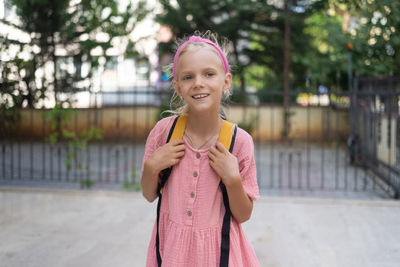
{"type": "Point", "coordinates": [157, 137]}
{"type": "Point", "coordinates": [244, 152]}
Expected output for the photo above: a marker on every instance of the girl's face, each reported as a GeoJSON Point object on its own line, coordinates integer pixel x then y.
{"type": "Point", "coordinates": [201, 80]}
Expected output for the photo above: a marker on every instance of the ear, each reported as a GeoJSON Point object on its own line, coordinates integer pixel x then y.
{"type": "Point", "coordinates": [227, 81]}
{"type": "Point", "coordinates": [176, 87]}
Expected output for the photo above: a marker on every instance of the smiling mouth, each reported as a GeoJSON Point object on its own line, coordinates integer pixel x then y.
{"type": "Point", "coordinates": [200, 96]}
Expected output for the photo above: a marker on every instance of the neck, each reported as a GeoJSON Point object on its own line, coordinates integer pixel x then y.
{"type": "Point", "coordinates": [203, 125]}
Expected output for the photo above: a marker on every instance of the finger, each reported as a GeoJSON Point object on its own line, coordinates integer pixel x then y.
{"type": "Point", "coordinates": [212, 164]}
{"type": "Point", "coordinates": [179, 148]}
{"type": "Point", "coordinates": [178, 141]}
{"type": "Point", "coordinates": [211, 156]}
{"type": "Point", "coordinates": [179, 154]}
{"type": "Point", "coordinates": [175, 161]}
{"type": "Point", "coordinates": [221, 147]}
{"type": "Point", "coordinates": [213, 150]}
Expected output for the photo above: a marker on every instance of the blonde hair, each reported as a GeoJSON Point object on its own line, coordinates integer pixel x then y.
{"type": "Point", "coordinates": [177, 105]}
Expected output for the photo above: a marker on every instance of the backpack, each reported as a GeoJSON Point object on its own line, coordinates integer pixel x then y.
{"type": "Point", "coordinates": [227, 137]}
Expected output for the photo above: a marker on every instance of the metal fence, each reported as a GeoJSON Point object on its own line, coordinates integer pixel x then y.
{"type": "Point", "coordinates": [330, 161]}
{"type": "Point", "coordinates": [375, 128]}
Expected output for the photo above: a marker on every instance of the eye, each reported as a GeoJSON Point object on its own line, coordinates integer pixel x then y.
{"type": "Point", "coordinates": [210, 74]}
{"type": "Point", "coordinates": [186, 77]}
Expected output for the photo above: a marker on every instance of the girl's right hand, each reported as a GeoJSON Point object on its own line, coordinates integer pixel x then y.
{"type": "Point", "coordinates": [166, 156]}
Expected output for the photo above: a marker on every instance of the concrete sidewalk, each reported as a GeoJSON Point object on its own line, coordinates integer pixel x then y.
{"type": "Point", "coordinates": [50, 227]}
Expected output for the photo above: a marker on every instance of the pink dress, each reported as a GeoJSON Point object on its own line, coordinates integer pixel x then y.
{"type": "Point", "coordinates": [192, 208]}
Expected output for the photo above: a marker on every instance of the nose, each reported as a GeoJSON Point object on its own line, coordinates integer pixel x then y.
{"type": "Point", "coordinates": [198, 81]}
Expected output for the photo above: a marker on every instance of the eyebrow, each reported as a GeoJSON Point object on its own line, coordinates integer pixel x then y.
{"type": "Point", "coordinates": [205, 69]}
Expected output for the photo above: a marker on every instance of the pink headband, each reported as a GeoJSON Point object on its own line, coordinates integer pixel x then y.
{"type": "Point", "coordinates": [193, 39]}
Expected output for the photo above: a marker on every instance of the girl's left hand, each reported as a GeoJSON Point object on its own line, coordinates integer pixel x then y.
{"type": "Point", "coordinates": [224, 164]}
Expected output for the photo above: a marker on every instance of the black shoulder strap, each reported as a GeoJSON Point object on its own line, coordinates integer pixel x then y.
{"type": "Point", "coordinates": [226, 224]}
{"type": "Point", "coordinates": [164, 175]}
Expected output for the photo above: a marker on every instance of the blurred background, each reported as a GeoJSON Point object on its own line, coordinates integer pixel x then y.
{"type": "Point", "coordinates": [316, 83]}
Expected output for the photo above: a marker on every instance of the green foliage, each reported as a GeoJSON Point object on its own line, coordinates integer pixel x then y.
{"type": "Point", "coordinates": [244, 22]}
{"type": "Point", "coordinates": [249, 124]}
{"type": "Point", "coordinates": [59, 119]}
{"type": "Point", "coordinates": [80, 141]}
{"type": "Point", "coordinates": [377, 43]}
{"type": "Point", "coordinates": [168, 102]}
{"type": "Point", "coordinates": [238, 97]}
{"type": "Point", "coordinates": [267, 47]}
{"type": "Point", "coordinates": [17, 79]}
{"type": "Point", "coordinates": [327, 60]}
{"type": "Point", "coordinates": [162, 113]}
{"type": "Point", "coordinates": [261, 77]}
{"type": "Point", "coordinates": [319, 33]}
{"type": "Point", "coordinates": [73, 26]}
{"type": "Point", "coordinates": [338, 101]}
{"type": "Point", "coordinates": [373, 32]}
{"type": "Point", "coordinates": [230, 19]}
{"type": "Point", "coordinates": [131, 183]}
{"type": "Point", "coordinates": [87, 183]}
{"type": "Point", "coordinates": [77, 143]}
{"type": "Point", "coordinates": [9, 118]}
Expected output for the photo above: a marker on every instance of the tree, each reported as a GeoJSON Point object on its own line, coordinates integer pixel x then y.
{"type": "Point", "coordinates": [263, 34]}
{"type": "Point", "coordinates": [379, 41]}
{"type": "Point", "coordinates": [284, 45]}
{"type": "Point", "coordinates": [373, 34]}
{"type": "Point", "coordinates": [229, 18]}
{"type": "Point", "coordinates": [65, 33]}
{"type": "Point", "coordinates": [278, 39]}
{"type": "Point", "coordinates": [326, 60]}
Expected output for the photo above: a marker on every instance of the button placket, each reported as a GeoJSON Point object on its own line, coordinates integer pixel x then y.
{"type": "Point", "coordinates": [192, 192]}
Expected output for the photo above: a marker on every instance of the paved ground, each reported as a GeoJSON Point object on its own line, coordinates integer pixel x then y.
{"type": "Point", "coordinates": [50, 227]}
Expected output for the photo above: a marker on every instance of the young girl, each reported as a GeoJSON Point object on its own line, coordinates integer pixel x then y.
{"type": "Point", "coordinates": [192, 208]}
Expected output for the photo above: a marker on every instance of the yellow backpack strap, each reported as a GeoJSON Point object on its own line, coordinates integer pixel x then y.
{"type": "Point", "coordinates": [177, 129]}
{"type": "Point", "coordinates": [227, 135]}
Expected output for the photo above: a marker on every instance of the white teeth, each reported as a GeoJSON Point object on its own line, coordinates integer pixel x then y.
{"type": "Point", "coordinates": [199, 96]}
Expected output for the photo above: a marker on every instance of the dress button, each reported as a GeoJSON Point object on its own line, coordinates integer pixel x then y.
{"type": "Point", "coordinates": [195, 174]}
{"type": "Point", "coordinates": [189, 213]}
{"type": "Point", "coordinates": [198, 155]}
{"type": "Point", "coordinates": [192, 195]}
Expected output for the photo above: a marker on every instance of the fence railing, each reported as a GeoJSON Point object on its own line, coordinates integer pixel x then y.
{"type": "Point", "coordinates": [375, 128]}
{"type": "Point", "coordinates": [323, 148]}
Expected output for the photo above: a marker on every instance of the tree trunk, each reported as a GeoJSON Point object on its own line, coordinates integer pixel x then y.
{"type": "Point", "coordinates": [242, 82]}
{"type": "Point", "coordinates": [54, 59]}
{"type": "Point", "coordinates": [286, 69]}
{"type": "Point", "coordinates": [240, 70]}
